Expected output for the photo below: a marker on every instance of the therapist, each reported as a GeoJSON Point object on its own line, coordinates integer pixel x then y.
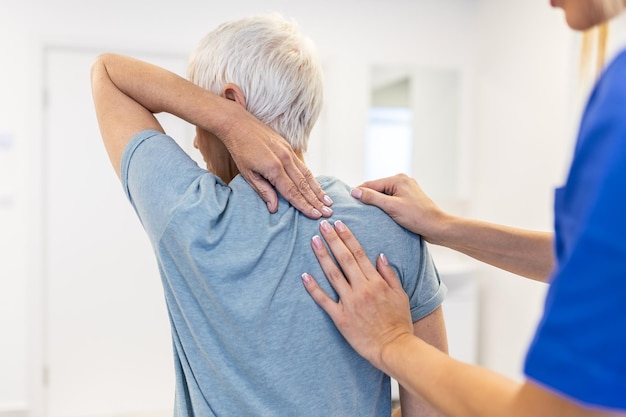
{"type": "Point", "coordinates": [576, 364]}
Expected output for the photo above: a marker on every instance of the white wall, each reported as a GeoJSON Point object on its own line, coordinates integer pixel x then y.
{"type": "Point", "coordinates": [521, 148]}
{"type": "Point", "coordinates": [14, 125]}
{"type": "Point", "coordinates": [516, 61]}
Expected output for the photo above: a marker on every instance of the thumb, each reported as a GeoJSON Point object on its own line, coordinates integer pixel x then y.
{"type": "Point", "coordinates": [264, 189]}
{"type": "Point", "coordinates": [371, 197]}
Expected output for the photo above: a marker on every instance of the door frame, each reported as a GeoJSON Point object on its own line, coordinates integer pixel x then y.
{"type": "Point", "coordinates": [37, 201]}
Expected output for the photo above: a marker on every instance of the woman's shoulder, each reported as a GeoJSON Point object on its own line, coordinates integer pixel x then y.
{"type": "Point", "coordinates": [612, 83]}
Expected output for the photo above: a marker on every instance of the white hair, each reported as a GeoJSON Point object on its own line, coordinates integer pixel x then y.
{"type": "Point", "coordinates": [275, 67]}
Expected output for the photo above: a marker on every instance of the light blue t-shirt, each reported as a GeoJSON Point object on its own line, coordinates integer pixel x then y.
{"type": "Point", "coordinates": [248, 339]}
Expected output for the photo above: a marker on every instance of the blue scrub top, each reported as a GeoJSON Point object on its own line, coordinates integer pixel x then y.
{"type": "Point", "coordinates": [579, 349]}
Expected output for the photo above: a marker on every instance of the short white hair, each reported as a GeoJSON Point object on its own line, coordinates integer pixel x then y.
{"type": "Point", "coordinates": [274, 65]}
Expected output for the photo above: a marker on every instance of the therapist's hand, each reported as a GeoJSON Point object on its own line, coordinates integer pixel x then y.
{"type": "Point", "coordinates": [403, 199]}
{"type": "Point", "coordinates": [373, 309]}
{"type": "Point", "coordinates": [266, 161]}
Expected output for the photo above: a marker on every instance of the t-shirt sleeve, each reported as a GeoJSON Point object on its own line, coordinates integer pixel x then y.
{"type": "Point", "coordinates": [156, 175]}
{"type": "Point", "coordinates": [421, 280]}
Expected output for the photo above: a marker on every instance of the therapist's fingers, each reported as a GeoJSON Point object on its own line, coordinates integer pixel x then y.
{"type": "Point", "coordinates": [352, 258]}
{"type": "Point", "coordinates": [327, 304]}
{"type": "Point", "coordinates": [365, 268]}
{"type": "Point", "coordinates": [348, 251]}
{"type": "Point", "coordinates": [402, 198]}
{"type": "Point", "coordinates": [331, 270]}
{"type": "Point", "coordinates": [378, 193]}
{"type": "Point", "coordinates": [371, 311]}
{"type": "Point", "coordinates": [335, 278]}
{"type": "Point", "coordinates": [387, 273]}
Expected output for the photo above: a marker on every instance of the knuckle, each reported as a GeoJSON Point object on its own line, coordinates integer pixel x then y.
{"type": "Point", "coordinates": [367, 297]}
{"type": "Point", "coordinates": [334, 275]}
{"type": "Point", "coordinates": [317, 294]}
{"type": "Point", "coordinates": [293, 192]}
{"type": "Point", "coordinates": [403, 178]}
{"type": "Point", "coordinates": [330, 239]}
{"type": "Point", "coordinates": [341, 322]}
{"type": "Point", "coordinates": [273, 170]}
{"type": "Point", "coordinates": [303, 184]}
{"type": "Point", "coordinates": [379, 285]}
{"type": "Point", "coordinates": [283, 154]}
{"type": "Point", "coordinates": [345, 259]}
{"type": "Point", "coordinates": [359, 253]}
{"type": "Point", "coordinates": [262, 193]}
{"type": "Point", "coordinates": [324, 302]}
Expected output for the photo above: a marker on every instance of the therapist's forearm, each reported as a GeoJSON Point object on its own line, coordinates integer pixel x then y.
{"type": "Point", "coordinates": [523, 252]}
{"type": "Point", "coordinates": [450, 386]}
{"type": "Point", "coordinates": [461, 390]}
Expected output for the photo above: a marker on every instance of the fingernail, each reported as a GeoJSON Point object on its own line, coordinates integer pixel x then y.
{"type": "Point", "coordinates": [340, 226]}
{"type": "Point", "coordinates": [356, 193]}
{"type": "Point", "coordinates": [316, 213]}
{"type": "Point", "coordinates": [317, 242]}
{"type": "Point", "coordinates": [327, 211]}
{"type": "Point", "coordinates": [306, 278]}
{"type": "Point", "coordinates": [328, 201]}
{"type": "Point", "coordinates": [383, 258]}
{"type": "Point", "coordinates": [326, 226]}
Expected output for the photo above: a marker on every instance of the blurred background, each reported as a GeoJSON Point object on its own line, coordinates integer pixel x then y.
{"type": "Point", "coordinates": [477, 99]}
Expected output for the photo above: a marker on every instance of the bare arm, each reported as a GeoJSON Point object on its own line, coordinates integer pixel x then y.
{"type": "Point", "coordinates": [432, 330]}
{"type": "Point", "coordinates": [523, 252]}
{"type": "Point", "coordinates": [127, 93]}
{"type": "Point", "coordinates": [475, 391]}
{"type": "Point", "coordinates": [373, 315]}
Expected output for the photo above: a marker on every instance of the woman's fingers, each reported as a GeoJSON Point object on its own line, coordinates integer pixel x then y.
{"type": "Point", "coordinates": [310, 188]}
{"type": "Point", "coordinates": [269, 164]}
{"type": "Point", "coordinates": [347, 251]}
{"type": "Point", "coordinates": [330, 268]}
{"type": "Point", "coordinates": [386, 185]}
{"type": "Point", "coordinates": [321, 298]}
{"type": "Point", "coordinates": [388, 274]}
{"type": "Point", "coordinates": [295, 182]}
{"type": "Point", "coordinates": [352, 258]}
{"type": "Point", "coordinates": [354, 252]}
{"type": "Point", "coordinates": [372, 310]}
{"type": "Point", "coordinates": [263, 188]}
{"type": "Point", "coordinates": [381, 193]}
{"type": "Point", "coordinates": [349, 254]}
{"type": "Point", "coordinates": [402, 198]}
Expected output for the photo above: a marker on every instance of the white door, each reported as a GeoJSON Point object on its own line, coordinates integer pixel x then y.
{"type": "Point", "coordinates": [107, 336]}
